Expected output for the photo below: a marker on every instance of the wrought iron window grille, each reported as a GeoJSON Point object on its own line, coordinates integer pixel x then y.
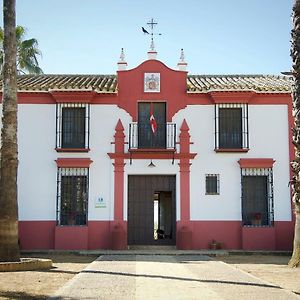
{"type": "Point", "coordinates": [72, 196]}
{"type": "Point", "coordinates": [231, 126]}
{"type": "Point", "coordinates": [212, 184]}
{"type": "Point", "coordinates": [72, 125]}
{"type": "Point", "coordinates": [257, 196]}
{"type": "Point", "coordinates": [150, 140]}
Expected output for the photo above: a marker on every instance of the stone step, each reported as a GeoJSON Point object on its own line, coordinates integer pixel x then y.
{"type": "Point", "coordinates": [152, 247]}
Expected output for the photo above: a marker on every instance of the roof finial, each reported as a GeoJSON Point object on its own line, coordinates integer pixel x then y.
{"type": "Point", "coordinates": [152, 47]}
{"type": "Point", "coordinates": [122, 55]}
{"type": "Point", "coordinates": [182, 64]}
{"type": "Point", "coordinates": [122, 64]}
{"type": "Point", "coordinates": [152, 52]}
{"type": "Point", "coordinates": [182, 55]}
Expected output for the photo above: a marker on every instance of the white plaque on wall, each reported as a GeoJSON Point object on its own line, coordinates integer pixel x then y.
{"type": "Point", "coordinates": [152, 82]}
{"type": "Point", "coordinates": [100, 202]}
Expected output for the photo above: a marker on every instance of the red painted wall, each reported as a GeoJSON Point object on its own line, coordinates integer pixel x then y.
{"type": "Point", "coordinates": [71, 237]}
{"type": "Point", "coordinates": [99, 235]}
{"type": "Point", "coordinates": [284, 234]}
{"type": "Point", "coordinates": [226, 232]}
{"type": "Point", "coordinates": [172, 88]}
{"type": "Point", "coordinates": [36, 234]}
{"type": "Point", "coordinates": [258, 238]}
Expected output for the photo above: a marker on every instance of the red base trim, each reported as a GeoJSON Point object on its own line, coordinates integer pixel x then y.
{"type": "Point", "coordinates": [190, 235]}
{"type": "Point", "coordinates": [36, 234]}
{"type": "Point", "coordinates": [232, 235]}
{"type": "Point", "coordinates": [99, 235]}
{"type": "Point", "coordinates": [227, 233]}
{"type": "Point", "coordinates": [71, 237]}
{"type": "Point", "coordinates": [284, 232]}
{"type": "Point", "coordinates": [258, 238]}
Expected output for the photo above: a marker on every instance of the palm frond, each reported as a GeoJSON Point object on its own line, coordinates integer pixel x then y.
{"type": "Point", "coordinates": [27, 52]}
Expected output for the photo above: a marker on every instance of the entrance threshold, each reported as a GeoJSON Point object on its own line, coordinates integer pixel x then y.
{"type": "Point", "coordinates": [151, 247]}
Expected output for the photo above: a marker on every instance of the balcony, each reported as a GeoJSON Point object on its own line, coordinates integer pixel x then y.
{"type": "Point", "coordinates": [142, 137]}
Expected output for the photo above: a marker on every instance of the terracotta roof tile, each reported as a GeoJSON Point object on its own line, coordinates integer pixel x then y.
{"type": "Point", "coordinates": [256, 83]}
{"type": "Point", "coordinates": [195, 83]}
{"type": "Point", "coordinates": [44, 83]}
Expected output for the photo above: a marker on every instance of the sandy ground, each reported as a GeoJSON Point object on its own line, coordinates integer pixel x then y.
{"type": "Point", "coordinates": [41, 284]}
{"type": "Point", "coordinates": [271, 268]}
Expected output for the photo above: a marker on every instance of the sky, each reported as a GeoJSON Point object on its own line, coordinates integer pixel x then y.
{"type": "Point", "coordinates": [218, 36]}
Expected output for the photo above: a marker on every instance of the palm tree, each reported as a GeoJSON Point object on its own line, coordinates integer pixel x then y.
{"type": "Point", "coordinates": [27, 53]}
{"type": "Point", "coordinates": [9, 248]}
{"type": "Point", "coordinates": [295, 54]}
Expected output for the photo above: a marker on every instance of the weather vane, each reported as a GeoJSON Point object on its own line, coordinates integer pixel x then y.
{"type": "Point", "coordinates": [151, 24]}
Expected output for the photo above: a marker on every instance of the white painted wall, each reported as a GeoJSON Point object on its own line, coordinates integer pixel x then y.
{"type": "Point", "coordinates": [268, 129]}
{"type": "Point", "coordinates": [268, 132]}
{"type": "Point", "coordinates": [37, 168]}
{"type": "Point", "coordinates": [104, 119]}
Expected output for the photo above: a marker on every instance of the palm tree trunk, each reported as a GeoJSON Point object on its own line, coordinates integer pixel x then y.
{"type": "Point", "coordinates": [295, 54]}
{"type": "Point", "coordinates": [9, 248]}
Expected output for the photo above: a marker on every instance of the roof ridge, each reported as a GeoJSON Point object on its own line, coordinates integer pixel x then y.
{"type": "Point", "coordinates": [69, 75]}
{"type": "Point", "coordinates": [237, 75]}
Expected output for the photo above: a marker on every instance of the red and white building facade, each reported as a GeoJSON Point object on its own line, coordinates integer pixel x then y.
{"type": "Point", "coordinates": [154, 156]}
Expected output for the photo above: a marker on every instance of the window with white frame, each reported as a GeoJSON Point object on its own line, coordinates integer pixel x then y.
{"type": "Point", "coordinates": [257, 196]}
{"type": "Point", "coordinates": [212, 184]}
{"type": "Point", "coordinates": [72, 125]}
{"type": "Point", "coordinates": [231, 126]}
{"type": "Point", "coordinates": [72, 196]}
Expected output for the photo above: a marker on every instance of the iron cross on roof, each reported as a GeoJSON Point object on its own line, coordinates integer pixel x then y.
{"type": "Point", "coordinates": [151, 24]}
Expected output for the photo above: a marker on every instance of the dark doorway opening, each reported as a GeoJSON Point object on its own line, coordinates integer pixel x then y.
{"type": "Point", "coordinates": [151, 210]}
{"type": "Point", "coordinates": [163, 228]}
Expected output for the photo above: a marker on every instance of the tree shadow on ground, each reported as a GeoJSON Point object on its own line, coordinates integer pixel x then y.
{"type": "Point", "coordinates": [263, 285]}
{"type": "Point", "coordinates": [21, 295]}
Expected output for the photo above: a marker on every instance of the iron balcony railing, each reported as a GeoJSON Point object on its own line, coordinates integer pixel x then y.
{"type": "Point", "coordinates": [142, 137]}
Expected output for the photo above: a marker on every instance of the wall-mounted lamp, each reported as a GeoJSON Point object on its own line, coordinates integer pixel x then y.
{"type": "Point", "coordinates": [151, 165]}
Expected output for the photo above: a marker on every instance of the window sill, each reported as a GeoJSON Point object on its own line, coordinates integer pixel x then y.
{"type": "Point", "coordinates": [72, 149]}
{"type": "Point", "coordinates": [151, 150]}
{"type": "Point", "coordinates": [224, 150]}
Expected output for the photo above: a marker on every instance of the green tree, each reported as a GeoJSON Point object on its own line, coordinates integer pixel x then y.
{"type": "Point", "coordinates": [295, 54]}
{"type": "Point", "coordinates": [27, 53]}
{"type": "Point", "coordinates": [9, 248]}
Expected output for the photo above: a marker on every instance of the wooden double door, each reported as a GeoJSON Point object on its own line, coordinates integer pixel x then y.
{"type": "Point", "coordinates": [151, 210]}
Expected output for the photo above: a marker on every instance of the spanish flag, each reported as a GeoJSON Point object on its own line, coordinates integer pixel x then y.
{"type": "Point", "coordinates": [153, 123]}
